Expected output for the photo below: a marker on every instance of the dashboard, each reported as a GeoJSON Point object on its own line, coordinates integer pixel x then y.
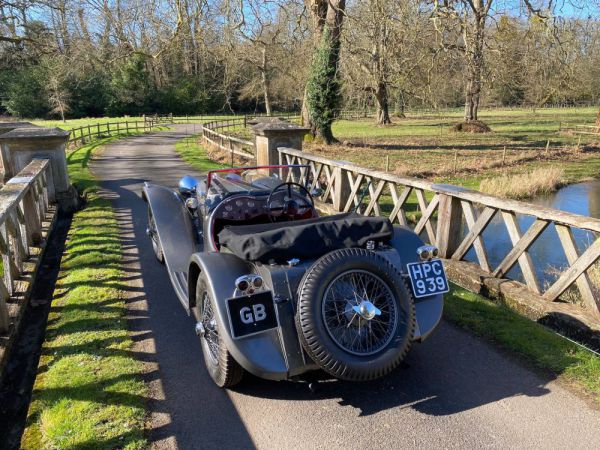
{"type": "Point", "coordinates": [241, 207]}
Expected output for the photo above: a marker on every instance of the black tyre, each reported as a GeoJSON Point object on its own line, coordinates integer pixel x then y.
{"type": "Point", "coordinates": [154, 238]}
{"type": "Point", "coordinates": [223, 369]}
{"type": "Point", "coordinates": [356, 317]}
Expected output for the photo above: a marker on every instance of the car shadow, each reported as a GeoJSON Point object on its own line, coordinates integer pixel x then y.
{"type": "Point", "coordinates": [450, 373]}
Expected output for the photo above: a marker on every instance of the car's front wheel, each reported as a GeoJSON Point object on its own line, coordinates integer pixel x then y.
{"type": "Point", "coordinates": [156, 247]}
{"type": "Point", "coordinates": [222, 368]}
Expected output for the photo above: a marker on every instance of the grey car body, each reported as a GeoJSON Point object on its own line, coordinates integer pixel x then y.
{"type": "Point", "coordinates": [186, 237]}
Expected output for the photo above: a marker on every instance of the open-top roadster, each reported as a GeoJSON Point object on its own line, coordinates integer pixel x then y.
{"type": "Point", "coordinates": [277, 290]}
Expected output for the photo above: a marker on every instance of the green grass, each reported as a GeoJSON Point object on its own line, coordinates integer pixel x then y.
{"type": "Point", "coordinates": [426, 147]}
{"type": "Point", "coordinates": [534, 343]}
{"type": "Point", "coordinates": [195, 155]}
{"type": "Point", "coordinates": [89, 391]}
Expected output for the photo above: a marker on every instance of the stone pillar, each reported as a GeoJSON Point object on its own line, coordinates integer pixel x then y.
{"type": "Point", "coordinates": [272, 134]}
{"type": "Point", "coordinates": [22, 144]}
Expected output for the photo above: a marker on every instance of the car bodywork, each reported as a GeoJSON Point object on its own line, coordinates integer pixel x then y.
{"type": "Point", "coordinates": [188, 242]}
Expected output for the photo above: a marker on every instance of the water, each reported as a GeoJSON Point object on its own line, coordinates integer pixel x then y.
{"type": "Point", "coordinates": [548, 257]}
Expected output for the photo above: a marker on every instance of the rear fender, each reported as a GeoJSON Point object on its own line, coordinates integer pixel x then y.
{"type": "Point", "coordinates": [428, 309]}
{"type": "Point", "coordinates": [175, 233]}
{"type": "Point", "coordinates": [260, 354]}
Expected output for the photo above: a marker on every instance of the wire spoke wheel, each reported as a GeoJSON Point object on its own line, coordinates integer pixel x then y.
{"type": "Point", "coordinates": [156, 247]}
{"type": "Point", "coordinates": [359, 312]}
{"type": "Point", "coordinates": [211, 334]}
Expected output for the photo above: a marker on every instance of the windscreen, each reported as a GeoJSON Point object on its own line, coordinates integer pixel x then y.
{"type": "Point", "coordinates": [251, 179]}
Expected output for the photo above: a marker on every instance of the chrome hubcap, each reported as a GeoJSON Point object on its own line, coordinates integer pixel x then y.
{"type": "Point", "coordinates": [366, 310]}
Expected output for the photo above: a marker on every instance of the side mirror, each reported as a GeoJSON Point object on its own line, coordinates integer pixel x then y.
{"type": "Point", "coordinates": [187, 185]}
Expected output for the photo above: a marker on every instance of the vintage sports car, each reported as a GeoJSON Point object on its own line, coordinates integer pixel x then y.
{"type": "Point", "coordinates": [277, 290]}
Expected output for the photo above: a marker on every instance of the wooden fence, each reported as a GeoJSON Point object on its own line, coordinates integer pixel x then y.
{"type": "Point", "coordinates": [212, 133]}
{"type": "Point", "coordinates": [84, 134]}
{"type": "Point", "coordinates": [593, 130]}
{"type": "Point", "coordinates": [440, 212]}
{"type": "Point", "coordinates": [24, 208]}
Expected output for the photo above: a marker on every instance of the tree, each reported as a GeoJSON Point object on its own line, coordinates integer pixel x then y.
{"type": "Point", "coordinates": [379, 41]}
{"type": "Point", "coordinates": [322, 94]}
{"type": "Point", "coordinates": [471, 17]}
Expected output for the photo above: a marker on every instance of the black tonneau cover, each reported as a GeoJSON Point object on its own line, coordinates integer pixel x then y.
{"type": "Point", "coordinates": [304, 239]}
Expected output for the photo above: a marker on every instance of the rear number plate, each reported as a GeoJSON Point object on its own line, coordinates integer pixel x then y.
{"type": "Point", "coordinates": [251, 314]}
{"type": "Point", "coordinates": [428, 278]}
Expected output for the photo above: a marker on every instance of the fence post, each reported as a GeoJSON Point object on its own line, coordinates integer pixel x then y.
{"type": "Point", "coordinates": [341, 187]}
{"type": "Point", "coordinates": [449, 224]}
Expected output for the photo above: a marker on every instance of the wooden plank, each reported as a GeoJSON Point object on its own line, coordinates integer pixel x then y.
{"type": "Point", "coordinates": [7, 260]}
{"type": "Point", "coordinates": [425, 218]}
{"type": "Point", "coordinates": [478, 228]}
{"type": "Point", "coordinates": [583, 281]}
{"type": "Point", "coordinates": [470, 219]}
{"type": "Point", "coordinates": [375, 194]}
{"type": "Point", "coordinates": [397, 211]}
{"type": "Point", "coordinates": [449, 223]}
{"type": "Point", "coordinates": [354, 187]}
{"type": "Point", "coordinates": [330, 189]}
{"type": "Point", "coordinates": [569, 276]}
{"type": "Point", "coordinates": [519, 251]}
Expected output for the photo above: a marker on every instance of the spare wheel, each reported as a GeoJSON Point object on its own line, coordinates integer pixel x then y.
{"type": "Point", "coordinates": [355, 315]}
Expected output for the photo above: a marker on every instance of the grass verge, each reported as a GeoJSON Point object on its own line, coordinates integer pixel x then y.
{"type": "Point", "coordinates": [536, 344]}
{"type": "Point", "coordinates": [195, 155]}
{"type": "Point", "coordinates": [89, 391]}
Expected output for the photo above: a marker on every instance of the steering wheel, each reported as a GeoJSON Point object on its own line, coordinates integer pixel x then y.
{"type": "Point", "coordinates": [290, 207]}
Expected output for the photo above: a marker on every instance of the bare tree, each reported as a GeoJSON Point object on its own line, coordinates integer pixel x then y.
{"type": "Point", "coordinates": [470, 17]}
{"type": "Point", "coordinates": [380, 43]}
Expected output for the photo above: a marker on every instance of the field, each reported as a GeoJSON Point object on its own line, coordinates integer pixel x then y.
{"type": "Point", "coordinates": [427, 147]}
{"type": "Point", "coordinates": [424, 145]}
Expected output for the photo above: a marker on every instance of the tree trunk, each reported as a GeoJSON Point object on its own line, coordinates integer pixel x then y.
{"type": "Point", "coordinates": [598, 117]}
{"type": "Point", "coordinates": [383, 105]}
{"type": "Point", "coordinates": [328, 13]}
{"type": "Point", "coordinates": [474, 36]}
{"type": "Point", "coordinates": [264, 68]}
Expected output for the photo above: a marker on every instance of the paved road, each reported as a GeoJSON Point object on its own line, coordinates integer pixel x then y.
{"type": "Point", "coordinates": [456, 391]}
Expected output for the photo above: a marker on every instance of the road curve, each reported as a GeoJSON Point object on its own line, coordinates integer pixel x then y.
{"type": "Point", "coordinates": [456, 391]}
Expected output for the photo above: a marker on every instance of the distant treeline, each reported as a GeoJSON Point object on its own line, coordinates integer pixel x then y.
{"type": "Point", "coordinates": [84, 59]}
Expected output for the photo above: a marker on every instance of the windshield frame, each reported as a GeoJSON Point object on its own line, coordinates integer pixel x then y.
{"type": "Point", "coordinates": [211, 174]}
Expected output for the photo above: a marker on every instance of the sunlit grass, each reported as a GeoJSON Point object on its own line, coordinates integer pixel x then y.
{"type": "Point", "coordinates": [540, 181]}
{"type": "Point", "coordinates": [89, 392]}
{"type": "Point", "coordinates": [195, 155]}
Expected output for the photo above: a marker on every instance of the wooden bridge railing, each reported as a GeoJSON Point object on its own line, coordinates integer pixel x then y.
{"type": "Point", "coordinates": [23, 208]}
{"type": "Point", "coordinates": [440, 212]}
{"type": "Point", "coordinates": [212, 134]}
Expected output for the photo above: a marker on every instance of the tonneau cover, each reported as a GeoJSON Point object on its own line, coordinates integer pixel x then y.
{"type": "Point", "coordinates": [304, 239]}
